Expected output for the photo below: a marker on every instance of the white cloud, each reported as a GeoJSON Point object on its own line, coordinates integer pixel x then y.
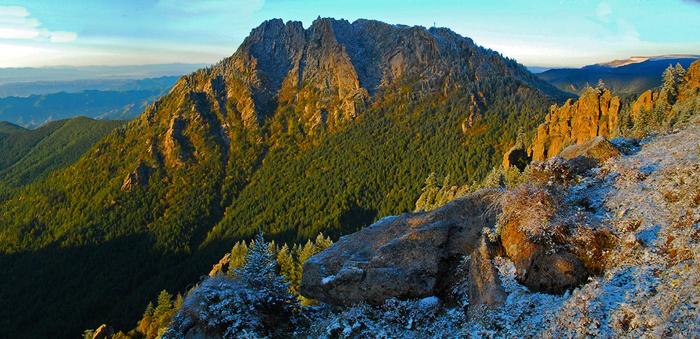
{"type": "Point", "coordinates": [16, 23]}
{"type": "Point", "coordinates": [18, 33]}
{"type": "Point", "coordinates": [13, 11]}
{"type": "Point", "coordinates": [62, 36]}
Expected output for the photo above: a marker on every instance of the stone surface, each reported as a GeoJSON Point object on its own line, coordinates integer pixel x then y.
{"type": "Point", "coordinates": [406, 256]}
{"type": "Point", "coordinates": [537, 267]}
{"type": "Point", "coordinates": [137, 178]}
{"type": "Point", "coordinates": [103, 332]}
{"type": "Point", "coordinates": [595, 113]}
{"type": "Point", "coordinates": [645, 102]}
{"type": "Point", "coordinates": [485, 286]}
{"type": "Point", "coordinates": [596, 150]}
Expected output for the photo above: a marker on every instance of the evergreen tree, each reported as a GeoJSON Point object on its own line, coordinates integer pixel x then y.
{"type": "Point", "coordinates": [429, 191]}
{"type": "Point", "coordinates": [260, 272]}
{"type": "Point", "coordinates": [238, 254]}
{"type": "Point", "coordinates": [601, 86]}
{"type": "Point", "coordinates": [322, 242]}
{"type": "Point", "coordinates": [680, 73]}
{"type": "Point", "coordinates": [288, 268]}
{"type": "Point", "coordinates": [165, 304]}
{"type": "Point", "coordinates": [145, 322]}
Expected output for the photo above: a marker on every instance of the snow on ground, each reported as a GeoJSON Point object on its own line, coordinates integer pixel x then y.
{"type": "Point", "coordinates": [651, 288]}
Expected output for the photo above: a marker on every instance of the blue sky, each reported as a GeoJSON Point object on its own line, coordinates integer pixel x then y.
{"type": "Point", "coordinates": [536, 33]}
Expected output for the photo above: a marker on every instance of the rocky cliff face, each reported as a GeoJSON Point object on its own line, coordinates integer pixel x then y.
{"type": "Point", "coordinates": [288, 79]}
{"type": "Point", "coordinates": [595, 113]}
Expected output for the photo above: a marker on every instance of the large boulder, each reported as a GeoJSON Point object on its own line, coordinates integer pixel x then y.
{"type": "Point", "coordinates": [590, 153]}
{"type": "Point", "coordinates": [406, 256]}
{"type": "Point", "coordinates": [537, 266]}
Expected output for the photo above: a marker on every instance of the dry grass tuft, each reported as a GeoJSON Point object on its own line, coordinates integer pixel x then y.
{"type": "Point", "coordinates": [532, 207]}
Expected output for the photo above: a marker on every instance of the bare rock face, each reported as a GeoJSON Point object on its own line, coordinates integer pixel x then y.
{"type": "Point", "coordinates": [595, 113]}
{"type": "Point", "coordinates": [645, 102]}
{"type": "Point", "coordinates": [175, 142]}
{"type": "Point", "coordinates": [137, 178]}
{"type": "Point", "coordinates": [693, 75]}
{"type": "Point", "coordinates": [103, 332]}
{"type": "Point", "coordinates": [591, 153]}
{"type": "Point", "coordinates": [485, 286]}
{"type": "Point", "coordinates": [538, 268]}
{"type": "Point", "coordinates": [406, 256]}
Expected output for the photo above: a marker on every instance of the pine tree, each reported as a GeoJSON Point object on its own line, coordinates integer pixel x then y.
{"type": "Point", "coordinates": [178, 301]}
{"type": "Point", "coordinates": [165, 304]}
{"type": "Point", "coordinates": [429, 192]}
{"type": "Point", "coordinates": [288, 269]}
{"type": "Point", "coordinates": [680, 73]}
{"type": "Point", "coordinates": [601, 86]}
{"type": "Point", "coordinates": [238, 254]}
{"type": "Point", "coordinates": [306, 252]}
{"type": "Point", "coordinates": [145, 322]}
{"type": "Point", "coordinates": [669, 88]}
{"type": "Point", "coordinates": [259, 272]}
{"type": "Point", "coordinates": [322, 242]}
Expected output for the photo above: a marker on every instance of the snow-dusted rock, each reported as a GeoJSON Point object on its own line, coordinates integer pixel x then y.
{"type": "Point", "coordinates": [409, 256]}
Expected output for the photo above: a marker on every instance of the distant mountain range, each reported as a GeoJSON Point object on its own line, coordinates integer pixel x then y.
{"type": "Point", "coordinates": [70, 73]}
{"type": "Point", "coordinates": [25, 89]}
{"type": "Point", "coordinates": [30, 97]}
{"type": "Point", "coordinates": [36, 110]}
{"type": "Point", "coordinates": [627, 76]}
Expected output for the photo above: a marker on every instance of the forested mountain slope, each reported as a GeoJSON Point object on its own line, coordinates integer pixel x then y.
{"type": "Point", "coordinates": [30, 154]}
{"type": "Point", "coordinates": [299, 131]}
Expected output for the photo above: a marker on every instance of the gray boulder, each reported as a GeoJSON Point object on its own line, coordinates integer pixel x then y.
{"type": "Point", "coordinates": [406, 256]}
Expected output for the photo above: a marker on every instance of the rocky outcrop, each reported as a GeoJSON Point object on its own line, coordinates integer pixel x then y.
{"type": "Point", "coordinates": [645, 102]}
{"type": "Point", "coordinates": [175, 143]}
{"type": "Point", "coordinates": [692, 75]}
{"type": "Point", "coordinates": [595, 113]}
{"type": "Point", "coordinates": [538, 267]}
{"type": "Point", "coordinates": [553, 243]}
{"type": "Point", "coordinates": [596, 151]}
{"type": "Point", "coordinates": [221, 267]}
{"type": "Point", "coordinates": [103, 332]}
{"type": "Point", "coordinates": [137, 178]}
{"type": "Point", "coordinates": [484, 285]}
{"type": "Point", "coordinates": [407, 256]}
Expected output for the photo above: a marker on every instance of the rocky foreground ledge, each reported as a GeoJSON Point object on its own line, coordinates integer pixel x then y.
{"type": "Point", "coordinates": [554, 245]}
